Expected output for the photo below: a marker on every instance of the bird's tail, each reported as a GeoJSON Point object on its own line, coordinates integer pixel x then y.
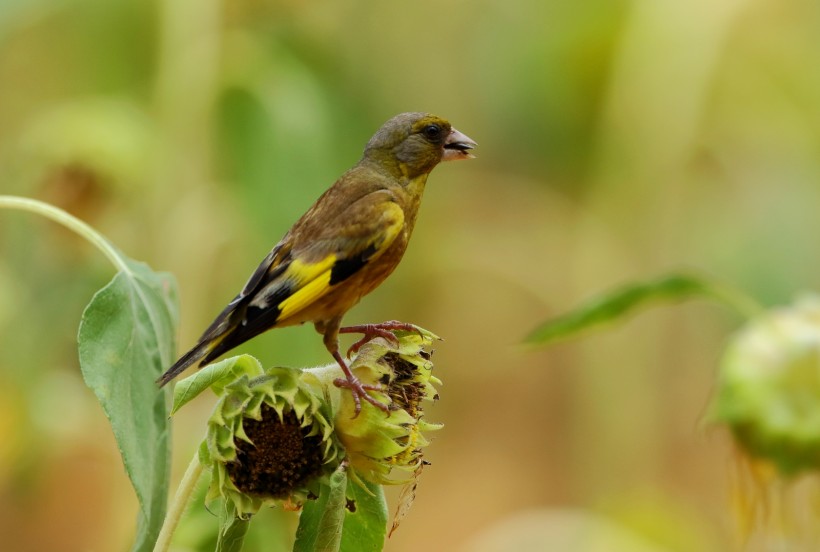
{"type": "Point", "coordinates": [193, 356]}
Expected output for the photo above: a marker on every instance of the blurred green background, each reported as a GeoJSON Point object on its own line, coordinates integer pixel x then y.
{"type": "Point", "coordinates": [618, 139]}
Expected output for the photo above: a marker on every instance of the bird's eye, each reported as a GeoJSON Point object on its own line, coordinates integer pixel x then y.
{"type": "Point", "coordinates": [432, 132]}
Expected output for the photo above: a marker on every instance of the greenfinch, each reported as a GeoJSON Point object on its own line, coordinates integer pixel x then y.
{"type": "Point", "coordinates": [341, 249]}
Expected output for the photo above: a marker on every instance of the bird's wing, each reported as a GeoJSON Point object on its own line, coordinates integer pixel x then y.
{"type": "Point", "coordinates": [212, 342]}
{"type": "Point", "coordinates": [306, 266]}
{"type": "Point", "coordinates": [321, 260]}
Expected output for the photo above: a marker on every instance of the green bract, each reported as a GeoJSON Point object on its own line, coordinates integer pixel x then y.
{"type": "Point", "coordinates": [769, 392]}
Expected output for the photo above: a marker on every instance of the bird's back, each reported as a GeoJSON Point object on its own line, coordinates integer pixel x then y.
{"type": "Point", "coordinates": [364, 221]}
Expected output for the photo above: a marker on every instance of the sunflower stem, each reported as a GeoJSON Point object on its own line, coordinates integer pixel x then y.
{"type": "Point", "coordinates": [177, 507]}
{"type": "Point", "coordinates": [744, 304]}
{"type": "Point", "coordinates": [69, 221]}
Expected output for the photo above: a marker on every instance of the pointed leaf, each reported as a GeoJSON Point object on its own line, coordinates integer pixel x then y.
{"type": "Point", "coordinates": [126, 339]}
{"type": "Point", "coordinates": [321, 521]}
{"type": "Point", "coordinates": [215, 376]}
{"type": "Point", "coordinates": [232, 530]}
{"type": "Point", "coordinates": [366, 527]}
{"type": "Point", "coordinates": [625, 300]}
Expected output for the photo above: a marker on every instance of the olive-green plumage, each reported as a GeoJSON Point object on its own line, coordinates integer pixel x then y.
{"type": "Point", "coordinates": [342, 248]}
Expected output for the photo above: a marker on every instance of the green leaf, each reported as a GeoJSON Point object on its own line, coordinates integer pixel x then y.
{"type": "Point", "coordinates": [623, 301]}
{"type": "Point", "coordinates": [321, 521]}
{"type": "Point", "coordinates": [232, 530]}
{"type": "Point", "coordinates": [365, 528]}
{"type": "Point", "coordinates": [215, 376]}
{"type": "Point", "coordinates": [126, 340]}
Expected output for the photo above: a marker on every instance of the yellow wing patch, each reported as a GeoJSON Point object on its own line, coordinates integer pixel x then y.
{"type": "Point", "coordinates": [314, 279]}
{"type": "Point", "coordinates": [317, 276]}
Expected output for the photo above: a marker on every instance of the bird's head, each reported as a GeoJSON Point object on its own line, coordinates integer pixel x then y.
{"type": "Point", "coordinates": [414, 143]}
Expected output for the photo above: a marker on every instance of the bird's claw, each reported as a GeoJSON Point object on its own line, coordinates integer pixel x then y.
{"type": "Point", "coordinates": [371, 331]}
{"type": "Point", "coordinates": [370, 335]}
{"type": "Point", "coordinates": [359, 391]}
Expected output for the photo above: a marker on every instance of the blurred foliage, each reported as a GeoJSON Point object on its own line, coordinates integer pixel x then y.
{"type": "Point", "coordinates": [769, 387]}
{"type": "Point", "coordinates": [619, 303]}
{"type": "Point", "coordinates": [617, 140]}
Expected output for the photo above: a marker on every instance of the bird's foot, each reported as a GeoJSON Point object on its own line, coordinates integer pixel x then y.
{"type": "Point", "coordinates": [372, 331]}
{"type": "Point", "coordinates": [359, 391]}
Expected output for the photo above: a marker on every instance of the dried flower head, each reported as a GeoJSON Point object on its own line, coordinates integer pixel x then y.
{"type": "Point", "coordinates": [269, 440]}
{"type": "Point", "coordinates": [277, 434]}
{"type": "Point", "coordinates": [376, 443]}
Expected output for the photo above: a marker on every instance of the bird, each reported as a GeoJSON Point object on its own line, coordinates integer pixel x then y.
{"type": "Point", "coordinates": [344, 246]}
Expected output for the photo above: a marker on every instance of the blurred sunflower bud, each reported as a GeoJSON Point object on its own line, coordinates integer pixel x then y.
{"type": "Point", "coordinates": [377, 443]}
{"type": "Point", "coordinates": [269, 440]}
{"type": "Point", "coordinates": [769, 387]}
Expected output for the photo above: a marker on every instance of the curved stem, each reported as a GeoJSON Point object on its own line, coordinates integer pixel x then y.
{"type": "Point", "coordinates": [733, 297]}
{"type": "Point", "coordinates": [69, 221]}
{"type": "Point", "coordinates": [181, 498]}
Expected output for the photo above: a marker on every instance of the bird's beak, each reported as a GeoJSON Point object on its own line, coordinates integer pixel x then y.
{"type": "Point", "coordinates": [457, 146]}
